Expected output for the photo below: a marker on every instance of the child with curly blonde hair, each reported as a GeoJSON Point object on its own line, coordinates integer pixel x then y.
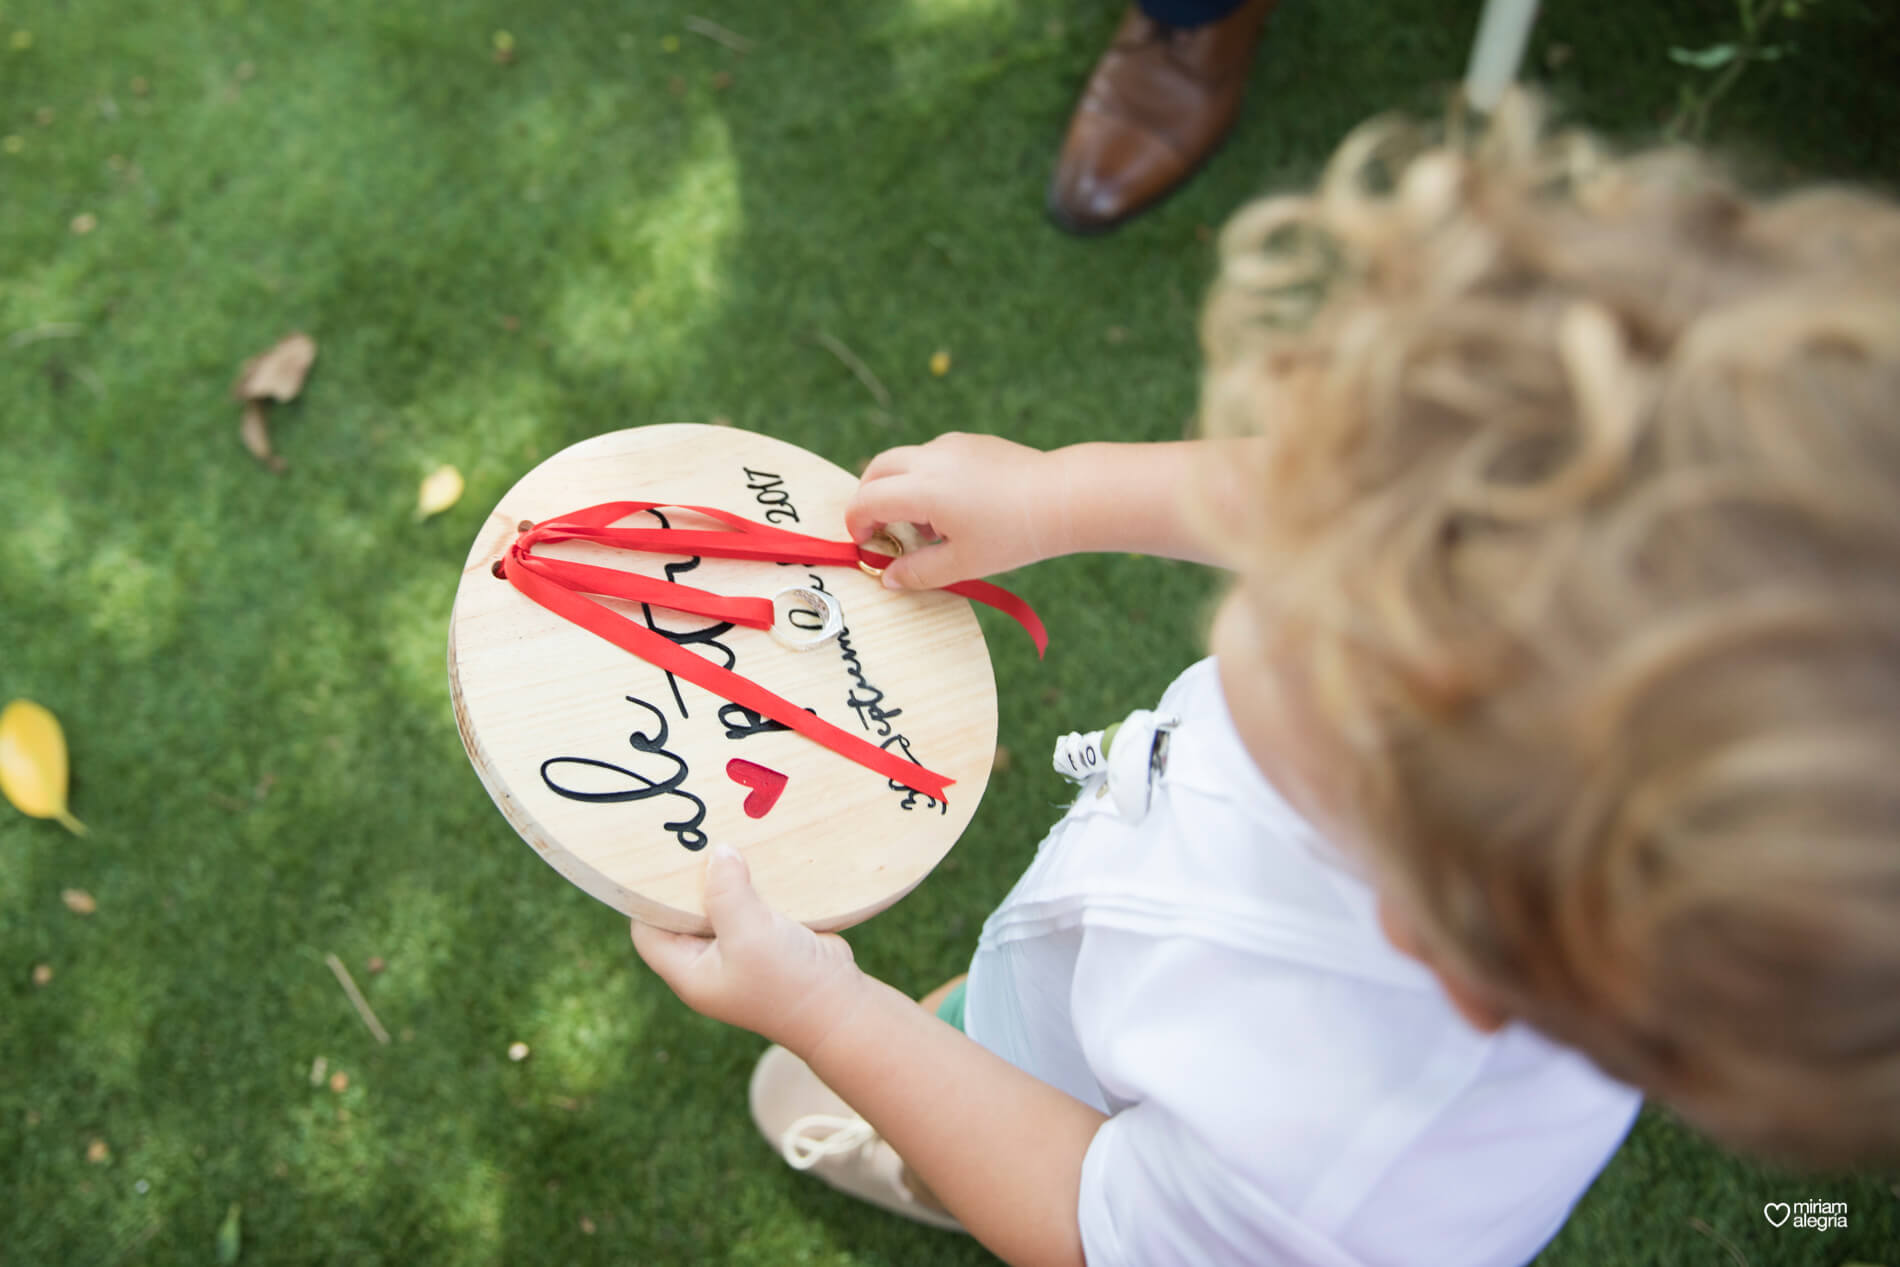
{"type": "Point", "coordinates": [1545, 754]}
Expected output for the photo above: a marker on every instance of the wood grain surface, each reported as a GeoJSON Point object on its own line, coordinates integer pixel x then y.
{"type": "Point", "coordinates": [617, 773]}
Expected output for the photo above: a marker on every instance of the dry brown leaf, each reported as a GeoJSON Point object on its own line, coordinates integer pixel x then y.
{"type": "Point", "coordinates": [376, 964]}
{"type": "Point", "coordinates": [255, 433]}
{"type": "Point", "coordinates": [98, 1153]}
{"type": "Point", "coordinates": [277, 374]}
{"type": "Point", "coordinates": [339, 1082]}
{"type": "Point", "coordinates": [78, 901]}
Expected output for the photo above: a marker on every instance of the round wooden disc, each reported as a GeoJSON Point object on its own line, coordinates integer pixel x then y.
{"type": "Point", "coordinates": [618, 773]}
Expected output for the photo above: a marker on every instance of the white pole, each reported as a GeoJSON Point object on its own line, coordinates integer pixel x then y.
{"type": "Point", "coordinates": [1498, 50]}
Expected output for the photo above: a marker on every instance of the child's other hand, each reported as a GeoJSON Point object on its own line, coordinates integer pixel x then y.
{"type": "Point", "coordinates": [760, 970]}
{"type": "Point", "coordinates": [994, 504]}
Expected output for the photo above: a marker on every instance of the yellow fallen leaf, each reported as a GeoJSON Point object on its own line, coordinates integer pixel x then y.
{"type": "Point", "coordinates": [78, 901]}
{"type": "Point", "coordinates": [441, 489]}
{"type": "Point", "coordinates": [33, 763]}
{"type": "Point", "coordinates": [940, 363]}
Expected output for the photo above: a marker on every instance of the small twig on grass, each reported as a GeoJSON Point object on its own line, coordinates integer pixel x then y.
{"type": "Point", "coordinates": [51, 330]}
{"type": "Point", "coordinates": [858, 368]}
{"type": "Point", "coordinates": [356, 999]}
{"type": "Point", "coordinates": [718, 34]}
{"type": "Point", "coordinates": [1719, 1239]}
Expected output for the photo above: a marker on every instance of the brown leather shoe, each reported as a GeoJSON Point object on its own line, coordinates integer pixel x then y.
{"type": "Point", "coordinates": [1158, 104]}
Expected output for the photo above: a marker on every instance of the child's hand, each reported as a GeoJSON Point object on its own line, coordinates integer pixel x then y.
{"type": "Point", "coordinates": [759, 970]}
{"type": "Point", "coordinates": [995, 504]}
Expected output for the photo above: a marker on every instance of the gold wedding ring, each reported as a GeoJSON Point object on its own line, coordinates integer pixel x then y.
{"type": "Point", "coordinates": [897, 548]}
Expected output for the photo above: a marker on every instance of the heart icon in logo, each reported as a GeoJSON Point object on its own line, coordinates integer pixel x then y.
{"type": "Point", "coordinates": [1774, 1209]}
{"type": "Point", "coordinates": [766, 785]}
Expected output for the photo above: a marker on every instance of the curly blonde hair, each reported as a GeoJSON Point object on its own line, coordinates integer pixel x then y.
{"type": "Point", "coordinates": [1573, 494]}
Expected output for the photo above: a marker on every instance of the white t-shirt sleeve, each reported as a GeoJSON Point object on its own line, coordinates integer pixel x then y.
{"type": "Point", "coordinates": [1152, 1195]}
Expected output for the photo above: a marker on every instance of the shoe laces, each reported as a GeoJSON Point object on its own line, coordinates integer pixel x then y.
{"type": "Point", "coordinates": [816, 1136]}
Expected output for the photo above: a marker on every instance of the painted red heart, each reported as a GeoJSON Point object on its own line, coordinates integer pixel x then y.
{"type": "Point", "coordinates": [766, 785]}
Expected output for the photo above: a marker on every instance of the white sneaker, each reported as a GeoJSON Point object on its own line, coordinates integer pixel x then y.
{"type": "Point", "coordinates": [815, 1130]}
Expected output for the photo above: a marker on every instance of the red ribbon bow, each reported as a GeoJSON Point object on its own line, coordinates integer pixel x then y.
{"type": "Point", "coordinates": [560, 585]}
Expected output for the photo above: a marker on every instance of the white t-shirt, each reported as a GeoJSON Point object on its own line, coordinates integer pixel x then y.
{"type": "Point", "coordinates": [1284, 1086]}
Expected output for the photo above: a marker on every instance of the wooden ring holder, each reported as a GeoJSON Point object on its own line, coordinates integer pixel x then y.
{"type": "Point", "coordinates": [619, 775]}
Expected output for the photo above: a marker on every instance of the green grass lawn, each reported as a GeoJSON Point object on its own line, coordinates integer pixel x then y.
{"type": "Point", "coordinates": [631, 224]}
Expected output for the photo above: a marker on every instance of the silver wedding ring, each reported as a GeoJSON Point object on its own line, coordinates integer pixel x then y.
{"type": "Point", "coordinates": [823, 618]}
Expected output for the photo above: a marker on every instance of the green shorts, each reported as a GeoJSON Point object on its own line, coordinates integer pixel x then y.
{"type": "Point", "coordinates": [951, 1009]}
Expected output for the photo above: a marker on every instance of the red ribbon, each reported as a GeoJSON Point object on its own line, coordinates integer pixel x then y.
{"type": "Point", "coordinates": [559, 585]}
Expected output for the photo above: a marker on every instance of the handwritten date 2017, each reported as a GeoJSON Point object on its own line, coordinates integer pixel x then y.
{"type": "Point", "coordinates": [769, 490]}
